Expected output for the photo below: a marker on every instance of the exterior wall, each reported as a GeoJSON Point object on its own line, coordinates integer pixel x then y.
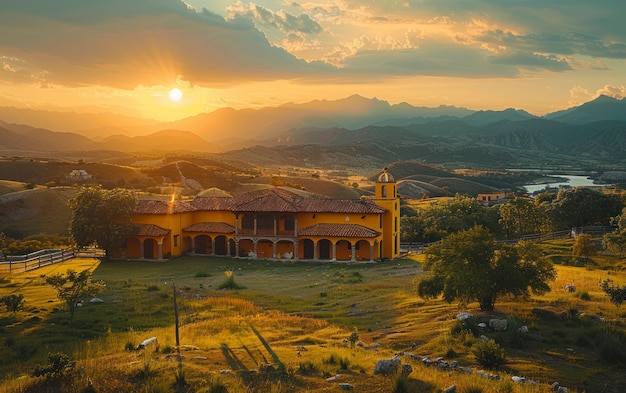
{"type": "Point", "coordinates": [214, 216]}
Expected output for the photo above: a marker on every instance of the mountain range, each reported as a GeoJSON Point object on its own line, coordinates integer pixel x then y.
{"type": "Point", "coordinates": [590, 134]}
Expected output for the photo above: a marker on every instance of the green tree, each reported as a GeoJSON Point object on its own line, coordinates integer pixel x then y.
{"type": "Point", "coordinates": [616, 241]}
{"type": "Point", "coordinates": [460, 213]}
{"type": "Point", "coordinates": [616, 293]}
{"type": "Point", "coordinates": [584, 246]}
{"type": "Point", "coordinates": [102, 217]}
{"type": "Point", "coordinates": [13, 302]}
{"type": "Point", "coordinates": [582, 206]}
{"type": "Point", "coordinates": [72, 286]}
{"type": "Point", "coordinates": [472, 266]}
{"type": "Point", "coordinates": [522, 216]}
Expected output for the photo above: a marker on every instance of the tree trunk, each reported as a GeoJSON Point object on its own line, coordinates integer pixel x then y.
{"type": "Point", "coordinates": [487, 303]}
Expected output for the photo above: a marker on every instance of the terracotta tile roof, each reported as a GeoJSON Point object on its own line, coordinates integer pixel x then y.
{"type": "Point", "coordinates": [212, 203]}
{"type": "Point", "coordinates": [267, 200]}
{"type": "Point", "coordinates": [149, 230]}
{"type": "Point", "coordinates": [359, 206]}
{"type": "Point", "coordinates": [150, 206]}
{"type": "Point", "coordinates": [210, 227]}
{"type": "Point", "coordinates": [338, 230]}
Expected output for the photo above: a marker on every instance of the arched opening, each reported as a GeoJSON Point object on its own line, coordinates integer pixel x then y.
{"type": "Point", "coordinates": [325, 247]}
{"type": "Point", "coordinates": [344, 250]}
{"type": "Point", "coordinates": [285, 249]}
{"type": "Point", "coordinates": [149, 248]}
{"type": "Point", "coordinates": [308, 249]}
{"type": "Point", "coordinates": [220, 245]}
{"type": "Point", "coordinates": [246, 248]}
{"type": "Point", "coordinates": [363, 251]}
{"type": "Point", "coordinates": [202, 244]}
{"type": "Point", "coordinates": [264, 249]}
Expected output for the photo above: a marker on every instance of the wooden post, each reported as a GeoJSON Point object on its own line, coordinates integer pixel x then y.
{"type": "Point", "coordinates": [176, 318]}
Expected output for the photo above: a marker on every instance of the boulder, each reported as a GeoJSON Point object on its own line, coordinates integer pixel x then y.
{"type": "Point", "coordinates": [387, 366]}
{"type": "Point", "coordinates": [498, 325]}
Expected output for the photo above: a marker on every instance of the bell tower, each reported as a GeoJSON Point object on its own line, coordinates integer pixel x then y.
{"type": "Point", "coordinates": [386, 196]}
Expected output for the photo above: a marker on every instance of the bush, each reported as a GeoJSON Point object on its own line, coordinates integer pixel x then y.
{"type": "Point", "coordinates": [202, 273]}
{"type": "Point", "coordinates": [60, 365]}
{"type": "Point", "coordinates": [307, 368]}
{"type": "Point", "coordinates": [489, 354]}
{"type": "Point", "coordinates": [229, 282]}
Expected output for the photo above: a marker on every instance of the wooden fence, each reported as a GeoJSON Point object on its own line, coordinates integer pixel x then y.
{"type": "Point", "coordinates": [35, 260]}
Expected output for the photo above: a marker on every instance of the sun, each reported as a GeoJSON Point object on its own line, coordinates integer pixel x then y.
{"type": "Point", "coordinates": [175, 94]}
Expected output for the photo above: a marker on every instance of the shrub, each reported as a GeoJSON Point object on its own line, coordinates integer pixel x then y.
{"type": "Point", "coordinates": [489, 354]}
{"type": "Point", "coordinates": [216, 385]}
{"type": "Point", "coordinates": [229, 281]}
{"type": "Point", "coordinates": [60, 365]}
{"type": "Point", "coordinates": [306, 368]}
{"type": "Point", "coordinates": [400, 382]}
{"type": "Point", "coordinates": [202, 273]}
{"type": "Point", "coordinates": [152, 288]}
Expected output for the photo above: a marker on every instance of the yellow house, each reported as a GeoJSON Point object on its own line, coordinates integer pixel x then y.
{"type": "Point", "coordinates": [273, 223]}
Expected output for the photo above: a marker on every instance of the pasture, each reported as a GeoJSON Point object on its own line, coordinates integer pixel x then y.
{"type": "Point", "coordinates": [296, 318]}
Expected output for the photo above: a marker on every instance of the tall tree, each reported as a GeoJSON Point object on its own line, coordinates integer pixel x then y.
{"type": "Point", "coordinates": [472, 266]}
{"type": "Point", "coordinates": [616, 240]}
{"type": "Point", "coordinates": [72, 286]}
{"type": "Point", "coordinates": [453, 215]}
{"type": "Point", "coordinates": [522, 216]}
{"type": "Point", "coordinates": [584, 247]}
{"type": "Point", "coordinates": [582, 206]}
{"type": "Point", "coordinates": [102, 217]}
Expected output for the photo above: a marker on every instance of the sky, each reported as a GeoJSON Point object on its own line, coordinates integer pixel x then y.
{"type": "Point", "coordinates": [126, 56]}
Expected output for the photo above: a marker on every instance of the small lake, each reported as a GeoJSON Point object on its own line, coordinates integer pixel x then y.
{"type": "Point", "coordinates": [572, 181]}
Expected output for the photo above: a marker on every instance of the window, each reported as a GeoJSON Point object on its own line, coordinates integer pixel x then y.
{"type": "Point", "coordinates": [384, 191]}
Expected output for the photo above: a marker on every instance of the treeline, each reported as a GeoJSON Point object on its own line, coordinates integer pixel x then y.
{"type": "Point", "coordinates": [545, 213]}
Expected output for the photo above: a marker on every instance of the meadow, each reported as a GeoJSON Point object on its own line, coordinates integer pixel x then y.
{"type": "Point", "coordinates": [286, 328]}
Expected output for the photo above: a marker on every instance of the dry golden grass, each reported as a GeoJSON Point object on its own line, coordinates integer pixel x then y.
{"type": "Point", "coordinates": [304, 313]}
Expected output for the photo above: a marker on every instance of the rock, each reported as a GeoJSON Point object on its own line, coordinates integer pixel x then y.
{"type": "Point", "coordinates": [523, 329]}
{"type": "Point", "coordinates": [387, 366]}
{"type": "Point", "coordinates": [482, 325]}
{"type": "Point", "coordinates": [518, 379]}
{"type": "Point", "coordinates": [96, 300]}
{"type": "Point", "coordinates": [498, 325]}
{"type": "Point", "coordinates": [463, 316]}
{"type": "Point", "coordinates": [346, 386]}
{"type": "Point", "coordinates": [333, 378]}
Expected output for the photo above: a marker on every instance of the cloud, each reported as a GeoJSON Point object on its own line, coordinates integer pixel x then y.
{"type": "Point", "coordinates": [125, 44]}
{"type": "Point", "coordinates": [281, 20]}
{"type": "Point", "coordinates": [439, 59]}
{"type": "Point", "coordinates": [618, 92]}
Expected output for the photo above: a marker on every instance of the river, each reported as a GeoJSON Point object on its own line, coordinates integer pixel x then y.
{"type": "Point", "coordinates": [572, 181]}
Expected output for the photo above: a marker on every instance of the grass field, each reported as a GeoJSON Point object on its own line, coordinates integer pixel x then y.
{"type": "Point", "coordinates": [296, 317]}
